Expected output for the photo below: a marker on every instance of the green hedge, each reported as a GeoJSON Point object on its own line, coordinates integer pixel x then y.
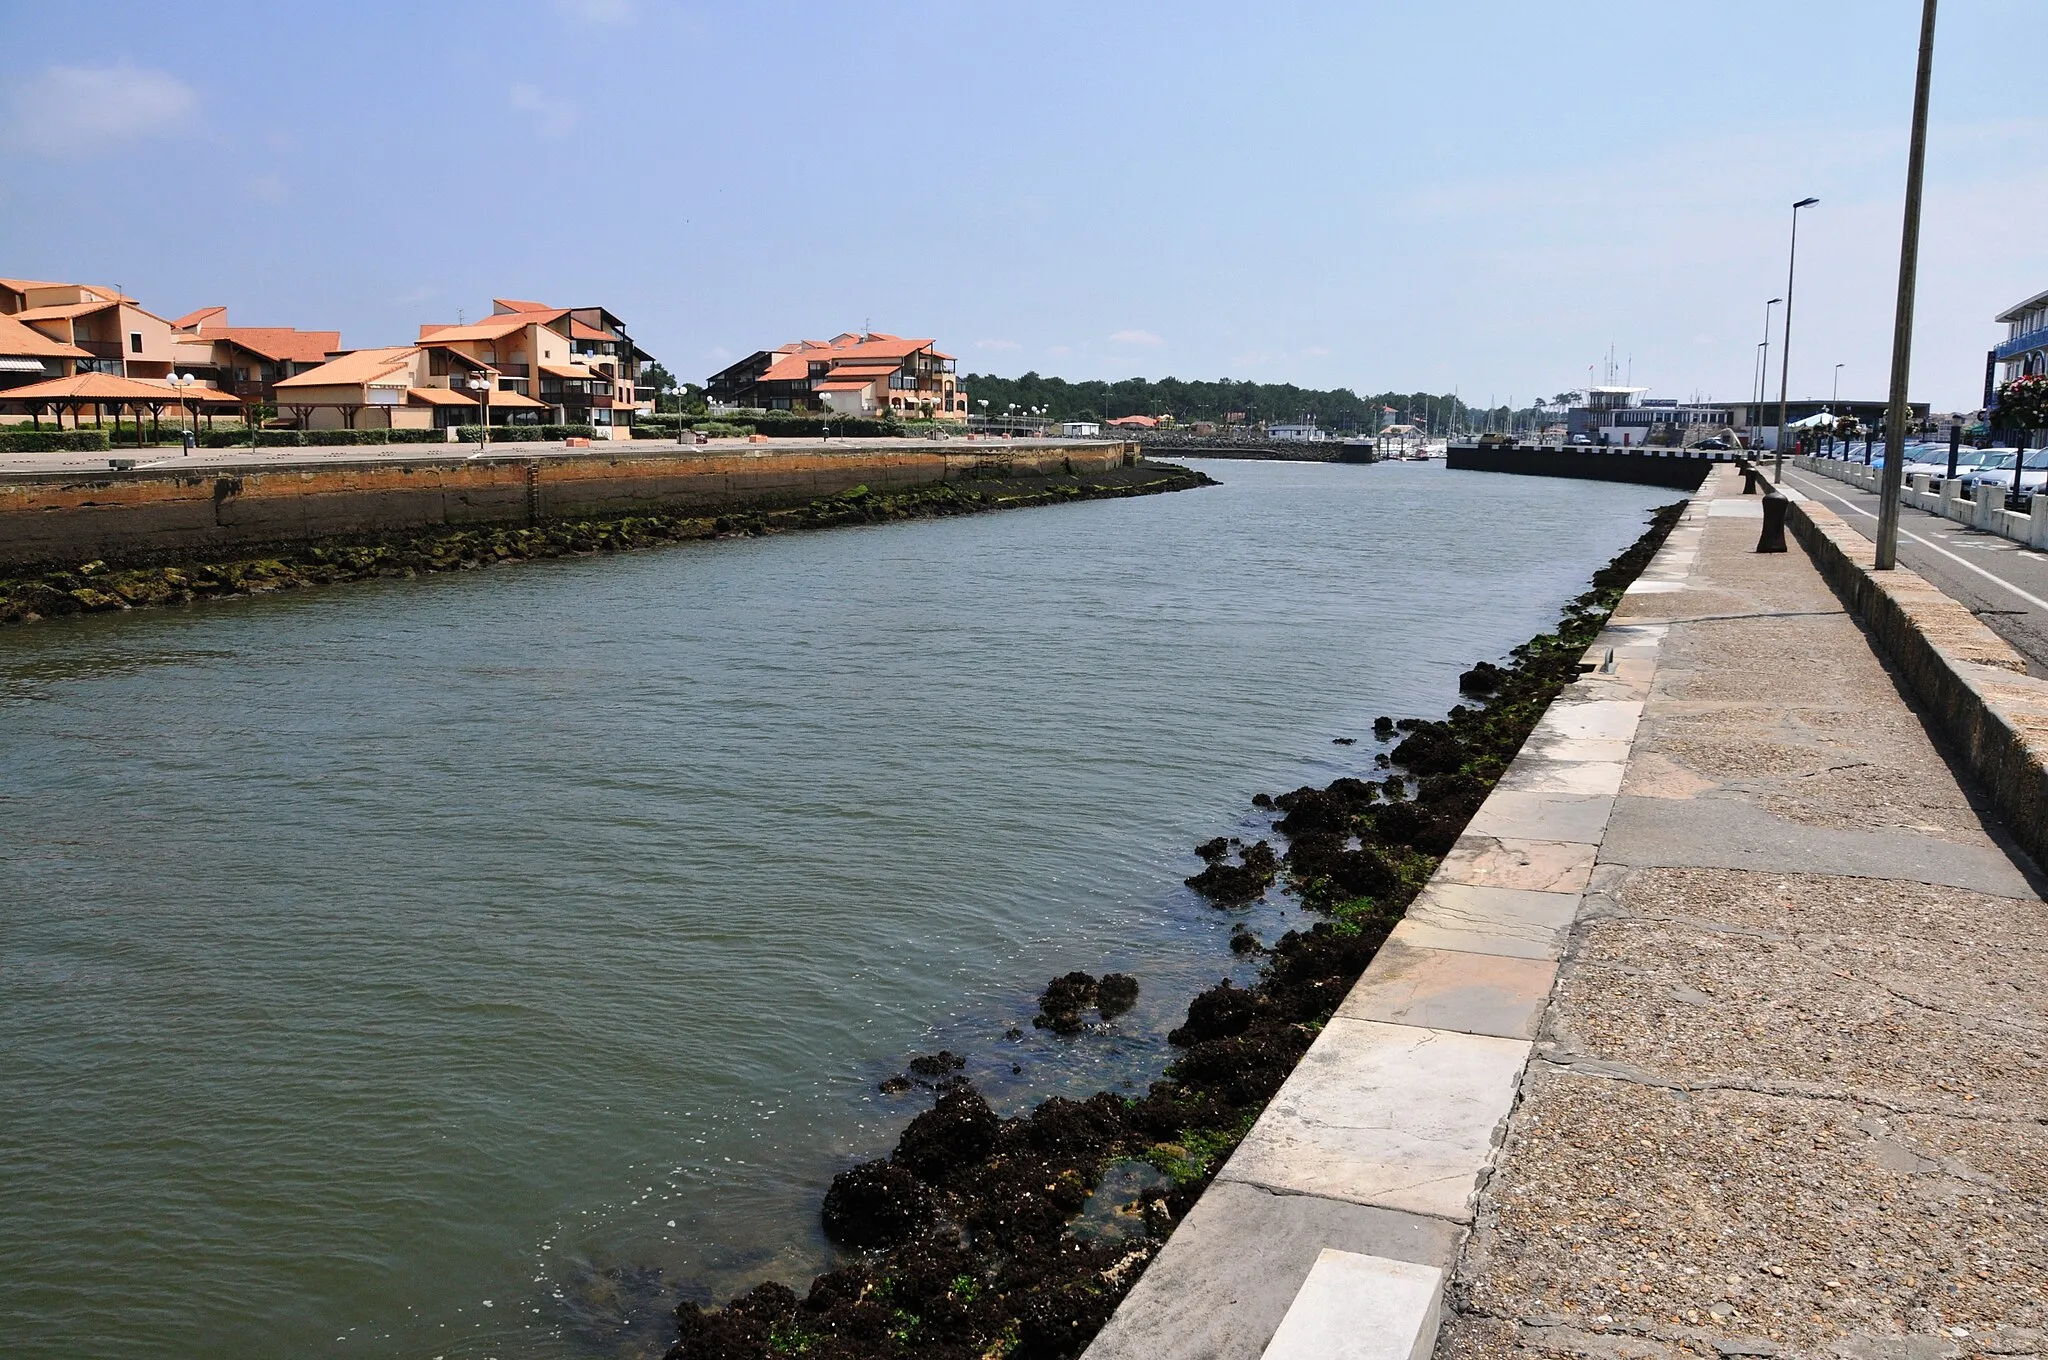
{"type": "Point", "coordinates": [292, 439]}
{"type": "Point", "coordinates": [507, 434]}
{"type": "Point", "coordinates": [781, 424]}
{"type": "Point", "coordinates": [54, 441]}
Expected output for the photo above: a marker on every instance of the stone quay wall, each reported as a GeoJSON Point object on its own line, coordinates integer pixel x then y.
{"type": "Point", "coordinates": [1650, 467]}
{"type": "Point", "coordinates": [143, 515]}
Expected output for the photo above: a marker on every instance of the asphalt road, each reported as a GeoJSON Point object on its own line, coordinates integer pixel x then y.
{"type": "Point", "coordinates": [2004, 583]}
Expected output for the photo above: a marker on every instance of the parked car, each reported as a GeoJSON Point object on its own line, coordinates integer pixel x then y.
{"type": "Point", "coordinates": [1716, 442]}
{"type": "Point", "coordinates": [1993, 467]}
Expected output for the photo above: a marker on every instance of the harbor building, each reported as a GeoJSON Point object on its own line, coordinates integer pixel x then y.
{"type": "Point", "coordinates": [868, 373]}
{"type": "Point", "coordinates": [2023, 352]}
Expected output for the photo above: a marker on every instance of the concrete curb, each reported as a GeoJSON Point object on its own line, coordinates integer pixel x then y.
{"type": "Point", "coordinates": [1333, 1226]}
{"type": "Point", "coordinates": [1974, 684]}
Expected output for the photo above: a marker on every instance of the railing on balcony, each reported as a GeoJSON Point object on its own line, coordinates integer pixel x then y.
{"type": "Point", "coordinates": [101, 349]}
{"type": "Point", "coordinates": [2020, 344]}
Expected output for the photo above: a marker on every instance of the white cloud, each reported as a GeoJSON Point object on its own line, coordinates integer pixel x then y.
{"type": "Point", "coordinates": [1136, 338]}
{"type": "Point", "coordinates": [596, 11]}
{"type": "Point", "coordinates": [554, 116]}
{"type": "Point", "coordinates": [74, 108]}
{"type": "Point", "coordinates": [997, 344]}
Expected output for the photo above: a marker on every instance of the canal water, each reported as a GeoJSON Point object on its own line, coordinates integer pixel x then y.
{"type": "Point", "coordinates": [461, 966]}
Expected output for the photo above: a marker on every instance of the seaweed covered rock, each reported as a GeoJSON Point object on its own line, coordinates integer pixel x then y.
{"type": "Point", "coordinates": [878, 1204]}
{"type": "Point", "coordinates": [1223, 1010]}
{"type": "Point", "coordinates": [953, 1136]}
{"type": "Point", "coordinates": [1061, 1004]}
{"type": "Point", "coordinates": [1116, 994]}
{"type": "Point", "coordinates": [1229, 884]}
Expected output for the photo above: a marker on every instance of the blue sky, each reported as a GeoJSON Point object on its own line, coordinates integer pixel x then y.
{"type": "Point", "coordinates": [1473, 195]}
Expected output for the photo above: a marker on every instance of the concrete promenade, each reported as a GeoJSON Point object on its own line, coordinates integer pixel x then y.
{"type": "Point", "coordinates": [1789, 1093]}
{"type": "Point", "coordinates": [1722, 1032]}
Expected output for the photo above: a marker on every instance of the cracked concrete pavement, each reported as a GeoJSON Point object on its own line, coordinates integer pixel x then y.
{"type": "Point", "coordinates": [1790, 1096]}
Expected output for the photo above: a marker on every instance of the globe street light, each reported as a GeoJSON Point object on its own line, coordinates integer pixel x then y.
{"type": "Point", "coordinates": [1785, 359]}
{"type": "Point", "coordinates": [481, 385]}
{"type": "Point", "coordinates": [185, 382]}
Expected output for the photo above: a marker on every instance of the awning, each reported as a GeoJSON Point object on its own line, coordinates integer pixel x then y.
{"type": "Point", "coordinates": [519, 400]}
{"type": "Point", "coordinates": [579, 374]}
{"type": "Point", "coordinates": [438, 396]}
{"type": "Point", "coordinates": [21, 366]}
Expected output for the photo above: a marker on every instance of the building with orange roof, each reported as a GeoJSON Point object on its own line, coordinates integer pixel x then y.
{"type": "Point", "coordinates": [246, 360]}
{"type": "Point", "coordinates": [399, 387]}
{"type": "Point", "coordinates": [867, 373]}
{"type": "Point", "coordinates": [28, 356]}
{"type": "Point", "coordinates": [116, 336]}
{"type": "Point", "coordinates": [578, 363]}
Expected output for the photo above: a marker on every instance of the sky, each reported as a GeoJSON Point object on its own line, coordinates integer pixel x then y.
{"type": "Point", "coordinates": [1482, 197]}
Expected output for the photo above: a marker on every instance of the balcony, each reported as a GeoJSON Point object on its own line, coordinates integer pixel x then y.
{"type": "Point", "coordinates": [2022, 344]}
{"type": "Point", "coordinates": [101, 349]}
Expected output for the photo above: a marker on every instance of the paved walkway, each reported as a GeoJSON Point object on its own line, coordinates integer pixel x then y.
{"type": "Point", "coordinates": [1790, 1095]}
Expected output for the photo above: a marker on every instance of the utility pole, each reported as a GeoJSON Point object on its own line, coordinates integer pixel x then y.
{"type": "Point", "coordinates": [1898, 411]}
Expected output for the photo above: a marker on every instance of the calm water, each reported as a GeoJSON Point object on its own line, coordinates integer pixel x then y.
{"type": "Point", "coordinates": [409, 969]}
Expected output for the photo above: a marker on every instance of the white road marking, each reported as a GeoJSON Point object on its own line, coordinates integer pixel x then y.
{"type": "Point", "coordinates": [1961, 561]}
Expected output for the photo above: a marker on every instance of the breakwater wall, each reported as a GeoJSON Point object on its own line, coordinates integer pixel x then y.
{"type": "Point", "coordinates": [146, 515]}
{"type": "Point", "coordinates": [1650, 467]}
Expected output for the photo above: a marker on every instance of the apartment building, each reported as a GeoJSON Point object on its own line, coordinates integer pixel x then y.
{"type": "Point", "coordinates": [398, 387]}
{"type": "Point", "coordinates": [2023, 352]}
{"type": "Point", "coordinates": [114, 334]}
{"type": "Point", "coordinates": [577, 362]}
{"type": "Point", "coordinates": [248, 361]}
{"type": "Point", "coordinates": [28, 356]}
{"type": "Point", "coordinates": [864, 374]}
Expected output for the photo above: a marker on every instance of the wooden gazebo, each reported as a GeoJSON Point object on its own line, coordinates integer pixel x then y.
{"type": "Point", "coordinates": [102, 391]}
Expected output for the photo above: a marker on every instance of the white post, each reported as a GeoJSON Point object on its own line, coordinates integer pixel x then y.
{"type": "Point", "coordinates": [2037, 523]}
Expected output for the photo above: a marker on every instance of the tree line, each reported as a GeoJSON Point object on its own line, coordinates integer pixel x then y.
{"type": "Point", "coordinates": [1338, 410]}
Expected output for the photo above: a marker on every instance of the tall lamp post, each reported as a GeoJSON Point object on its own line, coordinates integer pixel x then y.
{"type": "Point", "coordinates": [1763, 367]}
{"type": "Point", "coordinates": [481, 385]}
{"type": "Point", "coordinates": [1896, 411]}
{"type": "Point", "coordinates": [1785, 359]}
{"type": "Point", "coordinates": [185, 382]}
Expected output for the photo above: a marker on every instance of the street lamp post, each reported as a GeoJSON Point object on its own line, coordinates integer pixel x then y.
{"type": "Point", "coordinates": [185, 382]}
{"type": "Point", "coordinates": [1785, 359]}
{"type": "Point", "coordinates": [1896, 410]}
{"type": "Point", "coordinates": [481, 385]}
{"type": "Point", "coordinates": [1763, 367]}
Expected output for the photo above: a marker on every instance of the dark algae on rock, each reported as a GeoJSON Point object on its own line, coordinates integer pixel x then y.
{"type": "Point", "coordinates": [97, 587]}
{"type": "Point", "coordinates": [963, 1244]}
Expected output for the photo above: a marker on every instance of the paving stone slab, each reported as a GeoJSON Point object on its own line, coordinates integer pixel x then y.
{"type": "Point", "coordinates": [1233, 1266]}
{"type": "Point", "coordinates": [1614, 720]}
{"type": "Point", "coordinates": [1358, 1307]}
{"type": "Point", "coordinates": [1514, 922]}
{"type": "Point", "coordinates": [1388, 1115]}
{"type": "Point", "coordinates": [1543, 816]}
{"type": "Point", "coordinates": [1514, 862]}
{"type": "Point", "coordinates": [1725, 833]}
{"type": "Point", "coordinates": [1447, 989]}
{"type": "Point", "coordinates": [1534, 774]}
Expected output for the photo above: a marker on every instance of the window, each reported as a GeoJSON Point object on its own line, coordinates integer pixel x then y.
{"type": "Point", "coordinates": [135, 342]}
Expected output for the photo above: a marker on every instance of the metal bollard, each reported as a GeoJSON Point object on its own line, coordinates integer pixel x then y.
{"type": "Point", "coordinates": [1751, 480]}
{"type": "Point", "coordinates": [1773, 539]}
